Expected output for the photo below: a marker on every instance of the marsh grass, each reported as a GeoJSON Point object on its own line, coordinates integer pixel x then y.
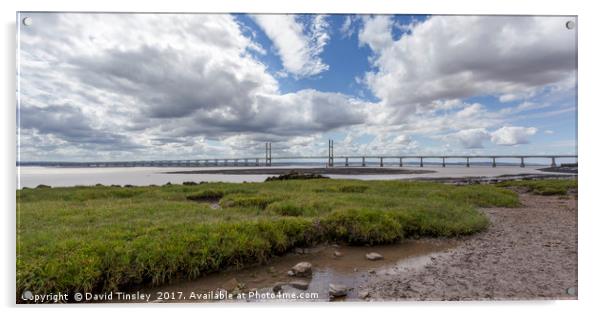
{"type": "Point", "coordinates": [543, 187]}
{"type": "Point", "coordinates": [102, 238]}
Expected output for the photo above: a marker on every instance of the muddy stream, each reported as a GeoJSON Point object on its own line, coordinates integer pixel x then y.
{"type": "Point", "coordinates": [263, 282]}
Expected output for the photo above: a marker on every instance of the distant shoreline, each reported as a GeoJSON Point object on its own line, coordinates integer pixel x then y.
{"type": "Point", "coordinates": [322, 171]}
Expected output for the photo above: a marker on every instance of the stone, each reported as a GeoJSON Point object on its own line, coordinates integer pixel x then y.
{"type": "Point", "coordinates": [337, 290]}
{"type": "Point", "coordinates": [300, 284]}
{"type": "Point", "coordinates": [290, 273]}
{"type": "Point", "coordinates": [337, 253]}
{"type": "Point", "coordinates": [374, 256]}
{"type": "Point", "coordinates": [302, 269]}
{"type": "Point", "coordinates": [295, 175]}
{"type": "Point", "coordinates": [364, 294]}
{"type": "Point", "coordinates": [277, 287]}
{"type": "Point", "coordinates": [230, 285]}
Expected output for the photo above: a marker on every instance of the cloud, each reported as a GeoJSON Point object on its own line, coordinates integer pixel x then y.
{"type": "Point", "coordinates": [71, 125]}
{"type": "Point", "coordinates": [512, 135]}
{"type": "Point", "coordinates": [456, 57]}
{"type": "Point", "coordinates": [170, 84]}
{"type": "Point", "coordinates": [298, 44]}
{"type": "Point", "coordinates": [470, 138]}
{"type": "Point", "coordinates": [132, 86]}
{"type": "Point", "coordinates": [348, 28]}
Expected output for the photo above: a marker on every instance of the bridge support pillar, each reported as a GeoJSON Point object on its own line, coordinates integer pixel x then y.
{"type": "Point", "coordinates": [553, 162]}
{"type": "Point", "coordinates": [522, 162]}
{"type": "Point", "coordinates": [467, 162]}
{"type": "Point", "coordinates": [443, 162]}
{"type": "Point", "coordinates": [421, 163]}
{"type": "Point", "coordinates": [363, 161]}
{"type": "Point", "coordinates": [330, 153]}
{"type": "Point", "coordinates": [268, 154]}
{"type": "Point", "coordinates": [400, 162]}
{"type": "Point", "coordinates": [494, 164]}
{"type": "Point", "coordinates": [346, 161]}
{"type": "Point", "coordinates": [381, 161]}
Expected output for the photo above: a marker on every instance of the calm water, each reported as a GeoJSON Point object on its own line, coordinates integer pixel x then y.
{"type": "Point", "coordinates": [64, 177]}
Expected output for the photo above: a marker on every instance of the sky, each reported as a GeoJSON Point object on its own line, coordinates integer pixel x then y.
{"type": "Point", "coordinates": [107, 87]}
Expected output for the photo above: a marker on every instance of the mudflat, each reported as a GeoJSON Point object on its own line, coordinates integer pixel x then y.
{"type": "Point", "coordinates": [528, 252]}
{"type": "Point", "coordinates": [280, 171]}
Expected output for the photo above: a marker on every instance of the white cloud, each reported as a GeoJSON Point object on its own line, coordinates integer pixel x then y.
{"type": "Point", "coordinates": [191, 86]}
{"type": "Point", "coordinates": [470, 138]}
{"type": "Point", "coordinates": [512, 135]}
{"type": "Point", "coordinates": [299, 45]}
{"type": "Point", "coordinates": [456, 57]}
{"type": "Point", "coordinates": [171, 84]}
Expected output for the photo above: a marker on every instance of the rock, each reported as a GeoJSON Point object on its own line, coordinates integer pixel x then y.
{"type": "Point", "coordinates": [299, 251]}
{"type": "Point", "coordinates": [364, 294]}
{"type": "Point", "coordinates": [300, 284]}
{"type": "Point", "coordinates": [374, 256]}
{"type": "Point", "coordinates": [277, 287]}
{"type": "Point", "coordinates": [294, 175]}
{"type": "Point", "coordinates": [337, 290]}
{"type": "Point", "coordinates": [337, 253]}
{"type": "Point", "coordinates": [290, 273]}
{"type": "Point", "coordinates": [302, 269]}
{"type": "Point", "coordinates": [230, 285]}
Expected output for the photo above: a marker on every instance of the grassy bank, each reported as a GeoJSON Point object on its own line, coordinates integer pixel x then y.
{"type": "Point", "coordinates": [544, 186]}
{"type": "Point", "coordinates": [107, 238]}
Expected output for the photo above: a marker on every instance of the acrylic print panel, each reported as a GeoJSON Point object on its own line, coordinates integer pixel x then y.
{"type": "Point", "coordinates": [197, 158]}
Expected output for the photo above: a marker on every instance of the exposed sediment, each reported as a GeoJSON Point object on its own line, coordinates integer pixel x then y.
{"type": "Point", "coordinates": [319, 171]}
{"type": "Point", "coordinates": [527, 253]}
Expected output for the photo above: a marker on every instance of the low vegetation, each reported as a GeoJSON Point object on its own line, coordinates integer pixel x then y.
{"type": "Point", "coordinates": [543, 187]}
{"type": "Point", "coordinates": [102, 238]}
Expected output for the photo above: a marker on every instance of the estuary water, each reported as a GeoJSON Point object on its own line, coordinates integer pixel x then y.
{"type": "Point", "coordinates": [30, 176]}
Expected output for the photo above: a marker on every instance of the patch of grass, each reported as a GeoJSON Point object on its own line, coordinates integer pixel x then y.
{"type": "Point", "coordinates": [353, 188]}
{"type": "Point", "coordinates": [543, 186]}
{"type": "Point", "coordinates": [103, 238]}
{"type": "Point", "coordinates": [247, 201]}
{"type": "Point", "coordinates": [291, 208]}
{"type": "Point", "coordinates": [206, 195]}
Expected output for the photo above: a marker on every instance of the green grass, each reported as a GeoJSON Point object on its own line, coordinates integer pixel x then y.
{"type": "Point", "coordinates": [543, 187]}
{"type": "Point", "coordinates": [103, 238]}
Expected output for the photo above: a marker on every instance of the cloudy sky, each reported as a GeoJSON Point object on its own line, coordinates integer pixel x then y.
{"type": "Point", "coordinates": [148, 86]}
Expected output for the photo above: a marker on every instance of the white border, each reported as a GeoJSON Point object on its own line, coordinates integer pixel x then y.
{"type": "Point", "coordinates": [589, 140]}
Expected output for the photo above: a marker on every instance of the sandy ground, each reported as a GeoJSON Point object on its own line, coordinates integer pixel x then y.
{"type": "Point", "coordinates": [527, 253]}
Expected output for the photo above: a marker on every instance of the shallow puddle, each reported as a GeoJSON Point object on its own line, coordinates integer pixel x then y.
{"type": "Point", "coordinates": [351, 269]}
